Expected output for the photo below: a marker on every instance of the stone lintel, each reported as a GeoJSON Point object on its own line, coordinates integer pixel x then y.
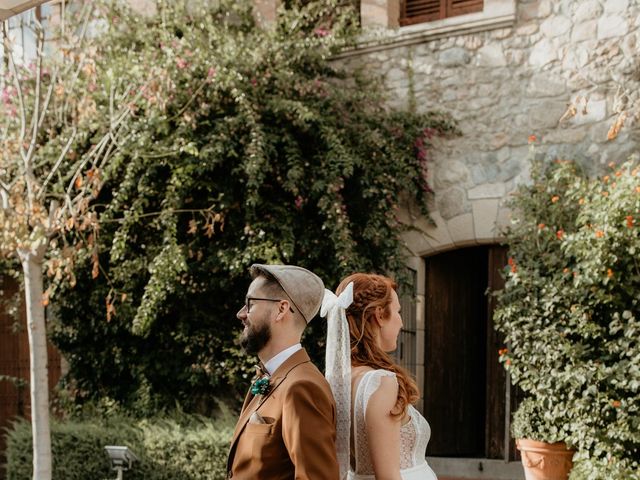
{"type": "Point", "coordinates": [485, 214]}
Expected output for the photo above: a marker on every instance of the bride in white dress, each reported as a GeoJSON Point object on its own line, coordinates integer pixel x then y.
{"type": "Point", "coordinates": [380, 435]}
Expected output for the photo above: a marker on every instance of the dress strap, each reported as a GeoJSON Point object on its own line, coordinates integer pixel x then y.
{"type": "Point", "coordinates": [367, 386]}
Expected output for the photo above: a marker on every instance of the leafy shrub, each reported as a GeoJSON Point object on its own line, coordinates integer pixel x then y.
{"type": "Point", "coordinates": [534, 421]}
{"type": "Point", "coordinates": [570, 312]}
{"type": "Point", "coordinates": [251, 146]}
{"type": "Point", "coordinates": [194, 449]}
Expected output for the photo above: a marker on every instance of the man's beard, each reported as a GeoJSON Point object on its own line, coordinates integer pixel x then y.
{"type": "Point", "coordinates": [256, 338]}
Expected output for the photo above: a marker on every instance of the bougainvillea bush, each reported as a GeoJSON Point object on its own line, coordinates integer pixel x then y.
{"type": "Point", "coordinates": [252, 146]}
{"type": "Point", "coordinates": [570, 312]}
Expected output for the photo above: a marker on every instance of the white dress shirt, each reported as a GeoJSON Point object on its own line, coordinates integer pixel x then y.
{"type": "Point", "coordinates": [273, 363]}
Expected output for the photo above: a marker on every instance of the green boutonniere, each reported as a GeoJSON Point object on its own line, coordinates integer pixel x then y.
{"type": "Point", "coordinates": [260, 386]}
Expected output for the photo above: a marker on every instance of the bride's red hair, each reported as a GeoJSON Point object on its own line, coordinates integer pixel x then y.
{"type": "Point", "coordinates": [369, 292]}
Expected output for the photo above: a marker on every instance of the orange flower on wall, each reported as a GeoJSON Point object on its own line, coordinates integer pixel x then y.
{"type": "Point", "coordinates": [555, 198]}
{"type": "Point", "coordinates": [532, 138]}
{"type": "Point", "coordinates": [609, 273]}
{"type": "Point", "coordinates": [630, 221]}
{"type": "Point", "coordinates": [560, 234]}
{"type": "Point", "coordinates": [599, 234]}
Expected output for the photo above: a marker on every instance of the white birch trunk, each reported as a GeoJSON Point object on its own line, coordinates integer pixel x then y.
{"type": "Point", "coordinates": [39, 374]}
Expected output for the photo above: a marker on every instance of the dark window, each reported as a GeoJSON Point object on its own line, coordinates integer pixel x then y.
{"type": "Point", "coordinates": [421, 11]}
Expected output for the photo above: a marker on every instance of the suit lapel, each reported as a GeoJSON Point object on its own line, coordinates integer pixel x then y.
{"type": "Point", "coordinates": [253, 404]}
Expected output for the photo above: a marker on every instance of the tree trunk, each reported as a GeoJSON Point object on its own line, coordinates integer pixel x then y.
{"type": "Point", "coordinates": [39, 375]}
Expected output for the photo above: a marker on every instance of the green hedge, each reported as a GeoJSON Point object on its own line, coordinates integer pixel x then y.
{"type": "Point", "coordinates": [168, 449]}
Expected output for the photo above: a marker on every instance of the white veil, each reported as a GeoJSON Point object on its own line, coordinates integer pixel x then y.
{"type": "Point", "coordinates": [338, 368]}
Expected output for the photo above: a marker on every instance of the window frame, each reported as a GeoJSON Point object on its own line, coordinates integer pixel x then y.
{"type": "Point", "coordinates": [379, 34]}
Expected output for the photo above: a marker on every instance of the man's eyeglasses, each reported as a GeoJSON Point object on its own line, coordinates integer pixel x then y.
{"type": "Point", "coordinates": [249, 300]}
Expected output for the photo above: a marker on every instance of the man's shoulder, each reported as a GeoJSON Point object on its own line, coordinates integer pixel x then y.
{"type": "Point", "coordinates": [306, 370]}
{"type": "Point", "coordinates": [307, 374]}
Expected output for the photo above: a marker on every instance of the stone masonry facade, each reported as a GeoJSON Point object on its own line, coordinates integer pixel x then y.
{"type": "Point", "coordinates": [502, 85]}
{"type": "Point", "coordinates": [506, 74]}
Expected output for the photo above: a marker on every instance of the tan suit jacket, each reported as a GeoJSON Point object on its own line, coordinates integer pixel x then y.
{"type": "Point", "coordinates": [298, 439]}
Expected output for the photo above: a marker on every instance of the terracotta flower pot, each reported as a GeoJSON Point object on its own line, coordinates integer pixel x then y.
{"type": "Point", "coordinates": [545, 461]}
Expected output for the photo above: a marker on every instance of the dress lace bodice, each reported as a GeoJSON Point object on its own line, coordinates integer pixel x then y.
{"type": "Point", "coordinates": [414, 434]}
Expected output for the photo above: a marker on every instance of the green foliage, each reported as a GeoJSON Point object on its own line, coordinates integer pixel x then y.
{"type": "Point", "coordinates": [189, 448]}
{"type": "Point", "coordinates": [570, 312]}
{"type": "Point", "coordinates": [251, 146]}
{"type": "Point", "coordinates": [536, 421]}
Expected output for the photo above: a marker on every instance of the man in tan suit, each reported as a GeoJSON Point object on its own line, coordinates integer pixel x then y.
{"type": "Point", "coordinates": [286, 429]}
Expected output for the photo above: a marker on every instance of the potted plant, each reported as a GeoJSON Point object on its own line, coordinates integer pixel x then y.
{"type": "Point", "coordinates": [570, 314]}
{"type": "Point", "coordinates": [540, 438]}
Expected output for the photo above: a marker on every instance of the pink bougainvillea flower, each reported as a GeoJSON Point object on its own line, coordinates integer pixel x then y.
{"type": "Point", "coordinates": [6, 95]}
{"type": "Point", "coordinates": [181, 63]}
{"type": "Point", "coordinates": [321, 32]}
{"type": "Point", "coordinates": [211, 73]}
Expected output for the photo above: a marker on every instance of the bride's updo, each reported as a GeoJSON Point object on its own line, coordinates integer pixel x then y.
{"type": "Point", "coordinates": [369, 292]}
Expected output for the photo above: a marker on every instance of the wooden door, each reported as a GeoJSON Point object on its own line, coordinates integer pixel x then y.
{"type": "Point", "coordinates": [466, 390]}
{"type": "Point", "coordinates": [455, 373]}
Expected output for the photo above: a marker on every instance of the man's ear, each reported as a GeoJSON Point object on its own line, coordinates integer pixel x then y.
{"type": "Point", "coordinates": [283, 308]}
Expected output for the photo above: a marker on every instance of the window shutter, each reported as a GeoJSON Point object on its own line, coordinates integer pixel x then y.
{"type": "Point", "coordinates": [420, 11]}
{"type": "Point", "coordinates": [460, 7]}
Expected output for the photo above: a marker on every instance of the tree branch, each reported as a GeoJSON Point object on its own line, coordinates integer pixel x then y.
{"type": "Point", "coordinates": [64, 152]}
{"type": "Point", "coordinates": [47, 99]}
{"type": "Point", "coordinates": [36, 100]}
{"type": "Point", "coordinates": [18, 86]}
{"type": "Point", "coordinates": [155, 214]}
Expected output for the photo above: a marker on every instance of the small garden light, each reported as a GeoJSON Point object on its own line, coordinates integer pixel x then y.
{"type": "Point", "coordinates": [121, 458]}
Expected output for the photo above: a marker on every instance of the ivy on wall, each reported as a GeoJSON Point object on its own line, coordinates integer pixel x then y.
{"type": "Point", "coordinates": [250, 146]}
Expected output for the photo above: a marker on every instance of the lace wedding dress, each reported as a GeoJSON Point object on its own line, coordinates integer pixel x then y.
{"type": "Point", "coordinates": [414, 435]}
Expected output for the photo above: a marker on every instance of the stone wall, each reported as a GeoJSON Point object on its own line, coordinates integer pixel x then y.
{"type": "Point", "coordinates": [503, 85]}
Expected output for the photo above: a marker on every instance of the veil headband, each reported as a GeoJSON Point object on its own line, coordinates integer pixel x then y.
{"type": "Point", "coordinates": [338, 368]}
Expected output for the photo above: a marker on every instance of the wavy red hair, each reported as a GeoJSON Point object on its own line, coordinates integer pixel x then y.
{"type": "Point", "coordinates": [371, 291]}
